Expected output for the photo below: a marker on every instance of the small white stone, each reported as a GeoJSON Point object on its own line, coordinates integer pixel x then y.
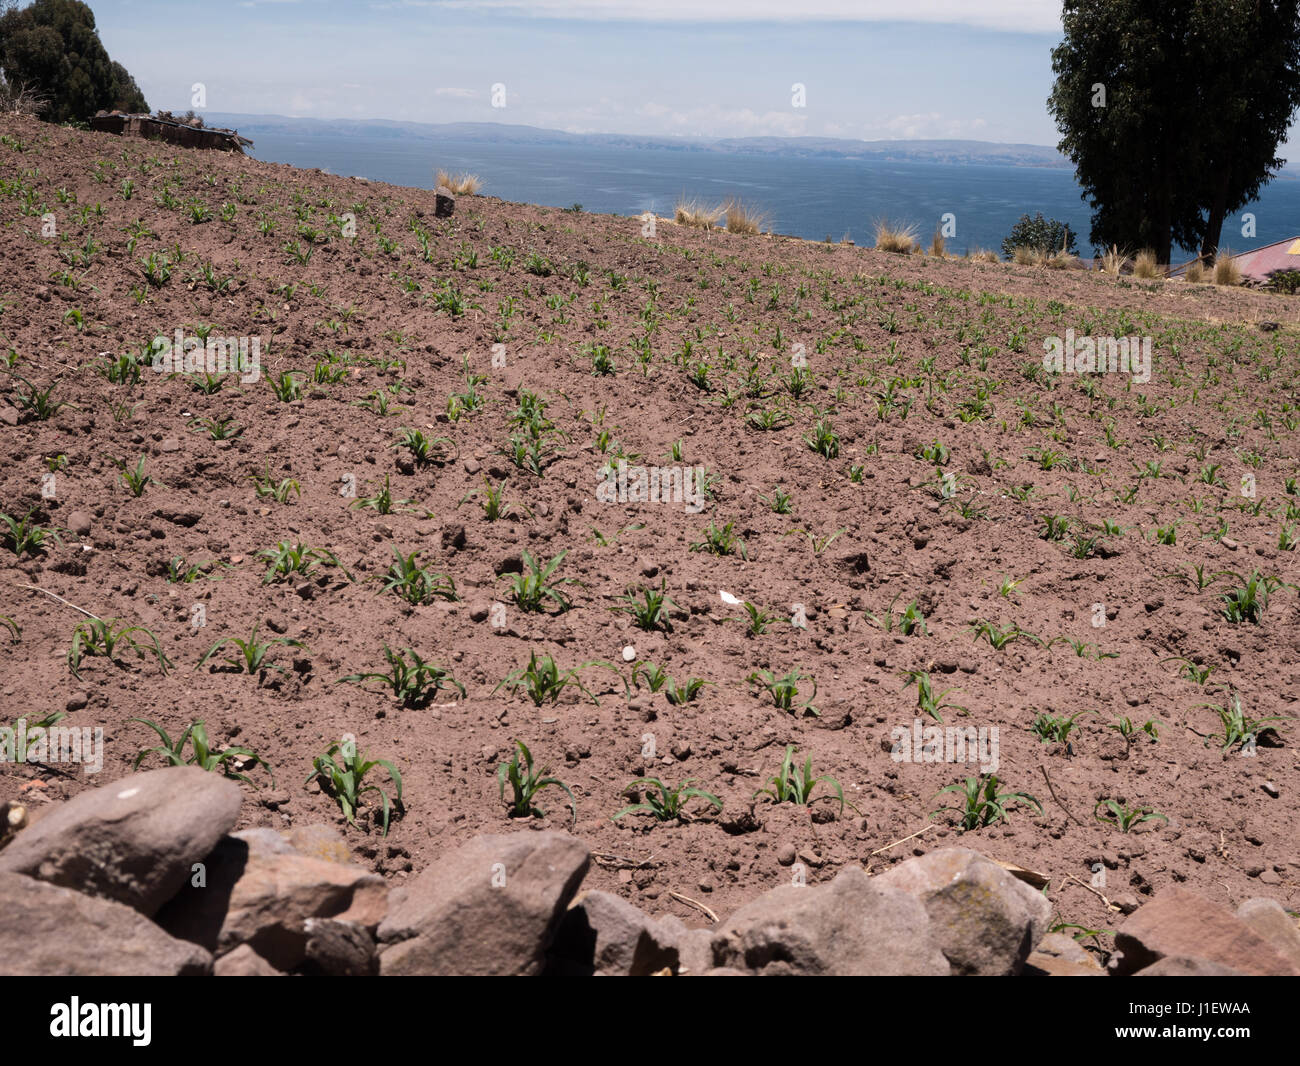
{"type": "Point", "coordinates": [629, 653]}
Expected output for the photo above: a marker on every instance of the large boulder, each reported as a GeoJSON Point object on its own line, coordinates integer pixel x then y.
{"type": "Point", "coordinates": [854, 926]}
{"type": "Point", "coordinates": [133, 841]}
{"type": "Point", "coordinates": [1181, 924]}
{"type": "Point", "coordinates": [605, 935]}
{"type": "Point", "coordinates": [1180, 966]}
{"type": "Point", "coordinates": [1269, 919]}
{"type": "Point", "coordinates": [985, 920]}
{"type": "Point", "coordinates": [489, 908]}
{"type": "Point", "coordinates": [48, 931]}
{"type": "Point", "coordinates": [244, 962]}
{"type": "Point", "coordinates": [261, 892]}
{"type": "Point", "coordinates": [1058, 955]}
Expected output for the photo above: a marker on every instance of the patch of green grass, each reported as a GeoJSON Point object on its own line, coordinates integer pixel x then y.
{"type": "Point", "coordinates": [1249, 600]}
{"type": "Point", "coordinates": [382, 501]}
{"type": "Point", "coordinates": [681, 693]}
{"type": "Point", "coordinates": [655, 676]}
{"type": "Point", "coordinates": [135, 478]}
{"type": "Point", "coordinates": [1000, 636]}
{"type": "Point", "coordinates": [823, 439]}
{"type": "Point", "coordinates": [910, 622]}
{"type": "Point", "coordinates": [288, 559]}
{"type": "Point", "coordinates": [721, 541]}
{"type": "Point", "coordinates": [494, 506]}
{"type": "Point", "coordinates": [279, 491]}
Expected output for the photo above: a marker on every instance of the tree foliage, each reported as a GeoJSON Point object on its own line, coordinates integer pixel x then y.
{"type": "Point", "coordinates": [51, 48]}
{"type": "Point", "coordinates": [1047, 235]}
{"type": "Point", "coordinates": [1173, 112]}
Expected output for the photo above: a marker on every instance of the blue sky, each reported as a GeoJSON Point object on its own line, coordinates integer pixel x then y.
{"type": "Point", "coordinates": [872, 68]}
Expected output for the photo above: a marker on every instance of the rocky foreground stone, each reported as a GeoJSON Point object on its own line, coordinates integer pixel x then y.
{"type": "Point", "coordinates": [144, 877]}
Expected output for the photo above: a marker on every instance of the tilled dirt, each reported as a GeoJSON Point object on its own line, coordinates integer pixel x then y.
{"type": "Point", "coordinates": [702, 330]}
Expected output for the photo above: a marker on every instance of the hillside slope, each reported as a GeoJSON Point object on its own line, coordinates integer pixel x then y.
{"type": "Point", "coordinates": [900, 402]}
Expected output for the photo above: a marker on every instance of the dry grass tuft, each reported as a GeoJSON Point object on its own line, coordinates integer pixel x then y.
{"type": "Point", "coordinates": [937, 247]}
{"type": "Point", "coordinates": [891, 238]}
{"type": "Point", "coordinates": [1145, 265]}
{"type": "Point", "coordinates": [742, 219]}
{"type": "Point", "coordinates": [1196, 273]}
{"type": "Point", "coordinates": [984, 255]}
{"type": "Point", "coordinates": [1112, 261]}
{"type": "Point", "coordinates": [695, 214]}
{"type": "Point", "coordinates": [460, 184]}
{"type": "Point", "coordinates": [1226, 270]}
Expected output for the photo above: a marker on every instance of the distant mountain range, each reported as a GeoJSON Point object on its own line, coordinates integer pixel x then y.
{"type": "Point", "coordinates": [936, 151]}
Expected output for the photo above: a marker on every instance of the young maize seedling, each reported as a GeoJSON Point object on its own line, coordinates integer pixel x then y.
{"type": "Point", "coordinates": [525, 783]}
{"type": "Point", "coordinates": [926, 699]}
{"type": "Point", "coordinates": [532, 588]}
{"type": "Point", "coordinates": [104, 636]}
{"type": "Point", "coordinates": [251, 657]}
{"type": "Point", "coordinates": [792, 785]}
{"type": "Point", "coordinates": [204, 756]}
{"type": "Point", "coordinates": [342, 770]}
{"type": "Point", "coordinates": [22, 536]}
{"type": "Point", "coordinates": [650, 609]}
{"type": "Point", "coordinates": [414, 684]}
{"type": "Point", "coordinates": [543, 680]}
{"type": "Point", "coordinates": [982, 803]}
{"type": "Point", "coordinates": [664, 803]}
{"type": "Point", "coordinates": [414, 583]}
{"type": "Point", "coordinates": [785, 690]}
{"type": "Point", "coordinates": [1238, 727]}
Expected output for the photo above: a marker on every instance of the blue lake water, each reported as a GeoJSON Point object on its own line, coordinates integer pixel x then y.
{"type": "Point", "coordinates": [810, 198]}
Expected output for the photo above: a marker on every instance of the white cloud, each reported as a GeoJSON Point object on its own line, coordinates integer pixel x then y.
{"type": "Point", "coordinates": [1028, 16]}
{"type": "Point", "coordinates": [928, 126]}
{"type": "Point", "coordinates": [715, 121]}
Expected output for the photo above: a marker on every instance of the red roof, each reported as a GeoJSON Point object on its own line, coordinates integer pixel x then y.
{"type": "Point", "coordinates": [1258, 264]}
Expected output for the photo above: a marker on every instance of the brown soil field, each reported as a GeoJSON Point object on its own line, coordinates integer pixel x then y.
{"type": "Point", "coordinates": [1107, 530]}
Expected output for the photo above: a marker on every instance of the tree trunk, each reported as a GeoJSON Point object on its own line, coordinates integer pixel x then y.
{"type": "Point", "coordinates": [1163, 221]}
{"type": "Point", "coordinates": [1218, 211]}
